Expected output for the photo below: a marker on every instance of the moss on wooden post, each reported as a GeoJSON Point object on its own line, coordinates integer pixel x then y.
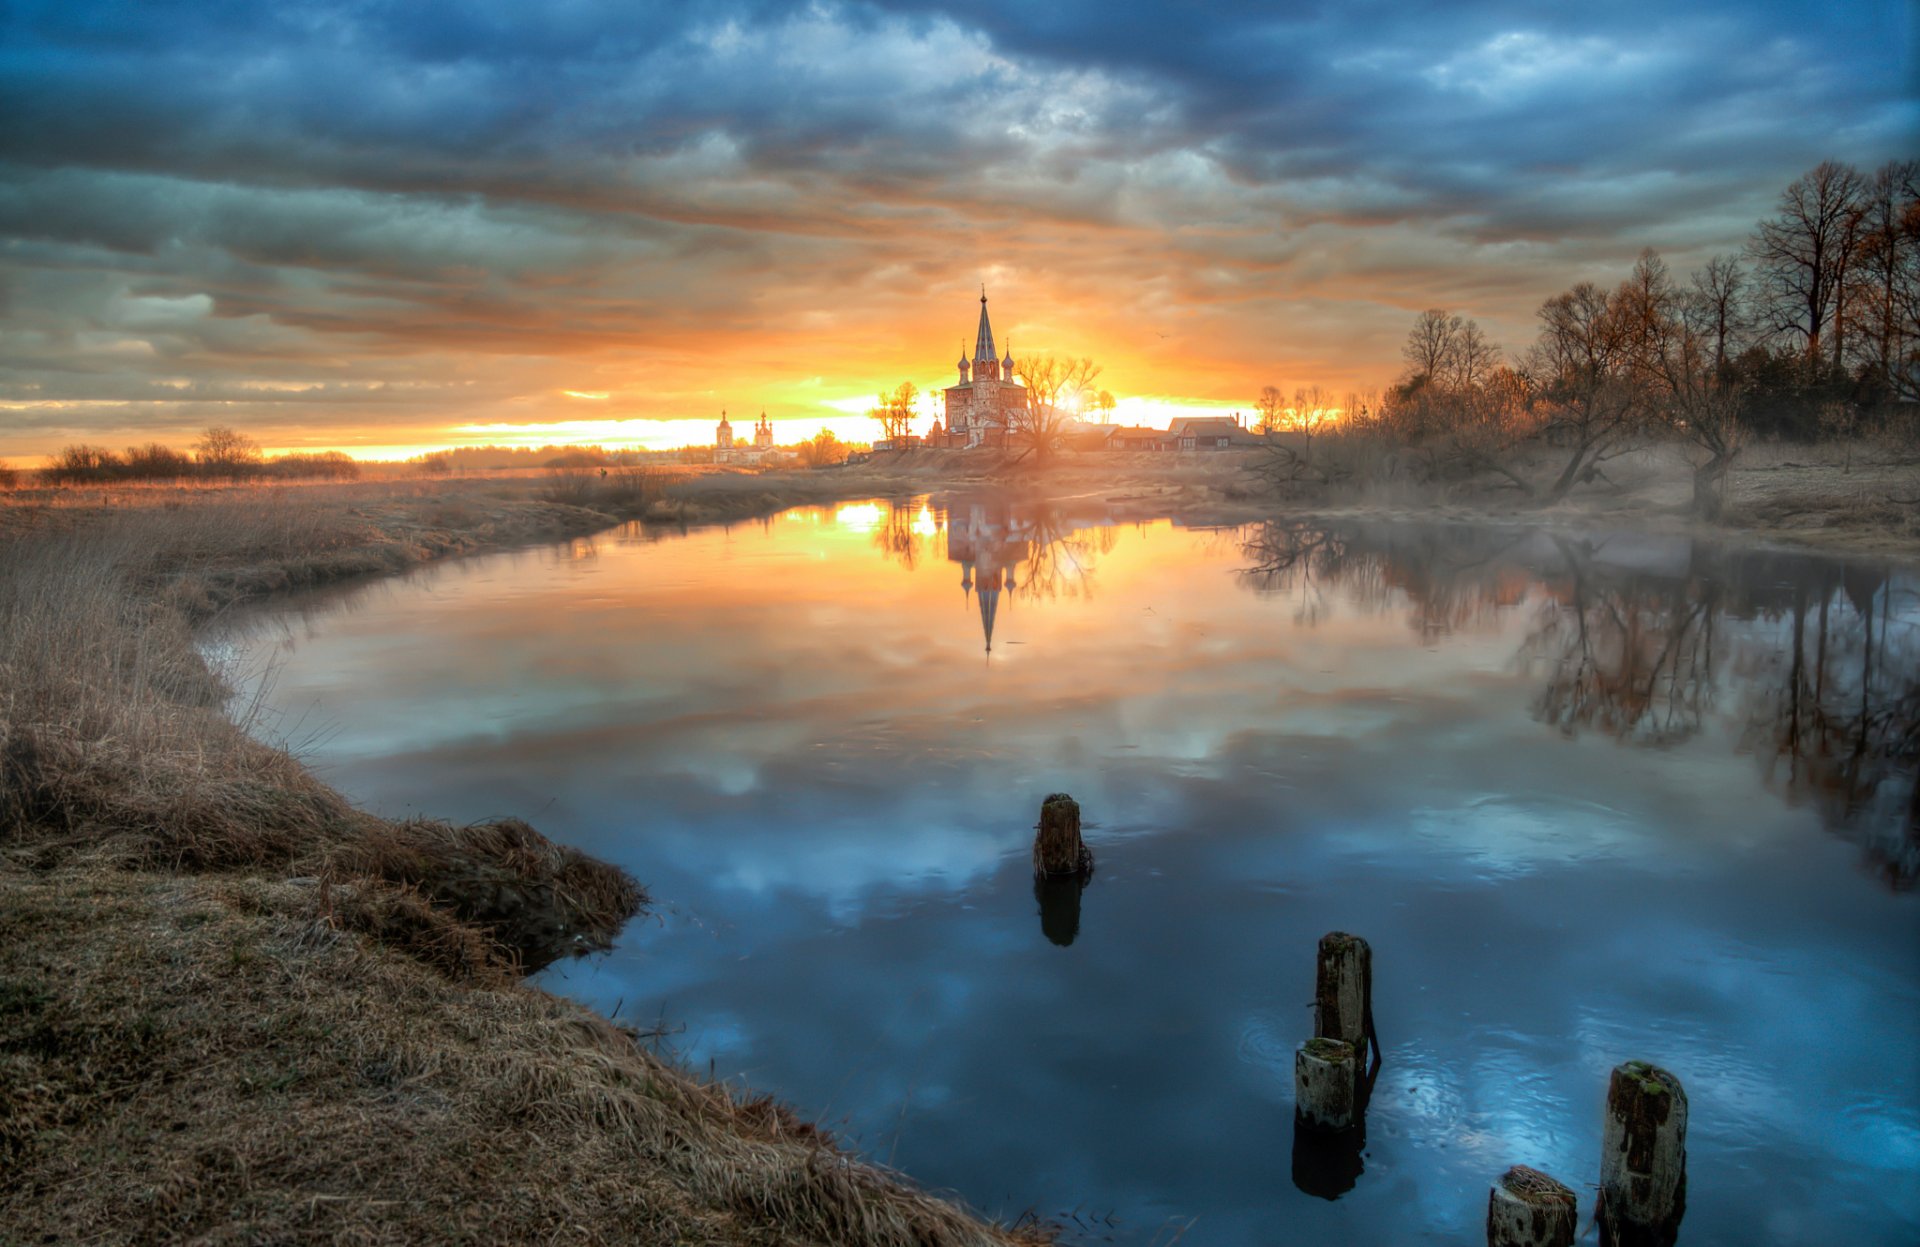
{"type": "Point", "coordinates": [1643, 1158]}
{"type": "Point", "coordinates": [1526, 1208]}
{"type": "Point", "coordinates": [1057, 847]}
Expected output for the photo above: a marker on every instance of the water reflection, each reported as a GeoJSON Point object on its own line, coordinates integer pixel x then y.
{"type": "Point", "coordinates": [1059, 899]}
{"type": "Point", "coordinates": [1639, 638]}
{"type": "Point", "coordinates": [1011, 548]}
{"type": "Point", "coordinates": [1328, 1163]}
{"type": "Point", "coordinates": [1576, 790]}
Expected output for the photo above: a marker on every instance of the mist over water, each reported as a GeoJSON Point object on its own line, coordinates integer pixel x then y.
{"type": "Point", "coordinates": [1590, 796]}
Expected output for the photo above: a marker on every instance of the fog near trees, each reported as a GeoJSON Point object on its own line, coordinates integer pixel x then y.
{"type": "Point", "coordinates": [1811, 331]}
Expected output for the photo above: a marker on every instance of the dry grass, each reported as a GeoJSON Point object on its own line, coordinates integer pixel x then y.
{"type": "Point", "coordinates": [115, 747]}
{"type": "Point", "coordinates": [234, 1008]}
{"type": "Point", "coordinates": [226, 1060]}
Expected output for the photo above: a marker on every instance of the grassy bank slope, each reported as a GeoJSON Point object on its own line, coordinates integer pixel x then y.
{"type": "Point", "coordinates": [234, 1008]}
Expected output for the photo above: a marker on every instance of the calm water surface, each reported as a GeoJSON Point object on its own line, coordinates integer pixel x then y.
{"type": "Point", "coordinates": [1590, 797]}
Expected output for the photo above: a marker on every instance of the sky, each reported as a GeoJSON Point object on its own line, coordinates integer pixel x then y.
{"type": "Point", "coordinates": [384, 227]}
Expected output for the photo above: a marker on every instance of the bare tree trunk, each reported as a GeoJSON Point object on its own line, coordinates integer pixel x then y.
{"type": "Point", "coordinates": [1710, 487]}
{"type": "Point", "coordinates": [1571, 474]}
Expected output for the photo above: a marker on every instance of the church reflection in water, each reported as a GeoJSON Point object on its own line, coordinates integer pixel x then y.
{"type": "Point", "coordinates": [1006, 549]}
{"type": "Point", "coordinates": [1811, 664]}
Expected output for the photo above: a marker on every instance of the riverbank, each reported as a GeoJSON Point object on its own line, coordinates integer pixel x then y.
{"type": "Point", "coordinates": [232, 1007]}
{"type": "Point", "coordinates": [1840, 497]}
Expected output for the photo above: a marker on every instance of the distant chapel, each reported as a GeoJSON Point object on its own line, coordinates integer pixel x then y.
{"type": "Point", "coordinates": [726, 450]}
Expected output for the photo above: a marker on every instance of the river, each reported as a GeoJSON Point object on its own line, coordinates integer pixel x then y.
{"type": "Point", "coordinates": [1590, 796]}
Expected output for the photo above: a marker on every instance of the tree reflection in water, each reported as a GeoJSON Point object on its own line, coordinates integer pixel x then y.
{"type": "Point", "coordinates": [1813, 664]}
{"type": "Point", "coordinates": [1643, 639]}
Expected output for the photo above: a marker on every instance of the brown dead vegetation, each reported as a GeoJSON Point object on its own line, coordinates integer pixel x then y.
{"type": "Point", "coordinates": [230, 1059]}
{"type": "Point", "coordinates": [235, 1008]}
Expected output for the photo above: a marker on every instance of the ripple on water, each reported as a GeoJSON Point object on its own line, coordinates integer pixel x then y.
{"type": "Point", "coordinates": [1267, 1041]}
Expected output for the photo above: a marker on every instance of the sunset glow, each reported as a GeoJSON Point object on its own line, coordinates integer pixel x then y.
{"type": "Point", "coordinates": [383, 230]}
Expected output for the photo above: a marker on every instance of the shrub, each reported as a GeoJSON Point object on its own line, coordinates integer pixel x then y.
{"type": "Point", "coordinates": [330, 465]}
{"type": "Point", "coordinates": [154, 462]}
{"type": "Point", "coordinates": [82, 464]}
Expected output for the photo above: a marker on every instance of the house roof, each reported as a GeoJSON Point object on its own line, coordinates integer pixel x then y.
{"type": "Point", "coordinates": [1214, 426]}
{"type": "Point", "coordinates": [1135, 432]}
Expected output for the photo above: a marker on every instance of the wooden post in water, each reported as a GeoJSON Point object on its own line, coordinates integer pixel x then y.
{"type": "Point", "coordinates": [1057, 847]}
{"type": "Point", "coordinates": [1343, 994]}
{"type": "Point", "coordinates": [1526, 1208]}
{"type": "Point", "coordinates": [1643, 1158]}
{"type": "Point", "coordinates": [1325, 1084]}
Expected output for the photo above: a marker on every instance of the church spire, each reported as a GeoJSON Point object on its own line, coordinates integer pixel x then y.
{"type": "Point", "coordinates": [983, 341]}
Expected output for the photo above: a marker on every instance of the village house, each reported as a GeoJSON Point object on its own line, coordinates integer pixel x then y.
{"type": "Point", "coordinates": [1135, 437]}
{"type": "Point", "coordinates": [1212, 433]}
{"type": "Point", "coordinates": [1193, 433]}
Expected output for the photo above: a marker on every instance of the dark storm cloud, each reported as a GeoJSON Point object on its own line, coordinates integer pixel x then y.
{"type": "Point", "coordinates": [360, 181]}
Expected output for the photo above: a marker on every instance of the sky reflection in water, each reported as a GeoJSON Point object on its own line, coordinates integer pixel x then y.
{"type": "Point", "coordinates": [1578, 792]}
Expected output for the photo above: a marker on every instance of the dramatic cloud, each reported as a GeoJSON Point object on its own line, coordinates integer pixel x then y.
{"type": "Point", "coordinates": [365, 224]}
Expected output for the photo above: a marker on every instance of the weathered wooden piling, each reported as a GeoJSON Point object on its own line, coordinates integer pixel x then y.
{"type": "Point", "coordinates": [1526, 1208]}
{"type": "Point", "coordinates": [1326, 1084]}
{"type": "Point", "coordinates": [1343, 994]}
{"type": "Point", "coordinates": [1057, 847]}
{"type": "Point", "coordinates": [1643, 1158]}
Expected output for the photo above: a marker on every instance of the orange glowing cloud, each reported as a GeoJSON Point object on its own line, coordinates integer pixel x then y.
{"type": "Point", "coordinates": [655, 213]}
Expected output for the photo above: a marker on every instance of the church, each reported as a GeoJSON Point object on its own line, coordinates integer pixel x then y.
{"type": "Point", "coordinates": [726, 450]}
{"type": "Point", "coordinates": [988, 400]}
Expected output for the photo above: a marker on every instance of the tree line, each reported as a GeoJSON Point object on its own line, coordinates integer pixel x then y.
{"type": "Point", "coordinates": [219, 454]}
{"type": "Point", "coordinates": [1811, 331]}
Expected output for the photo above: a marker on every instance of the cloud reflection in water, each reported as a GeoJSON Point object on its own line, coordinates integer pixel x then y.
{"type": "Point", "coordinates": [1589, 798]}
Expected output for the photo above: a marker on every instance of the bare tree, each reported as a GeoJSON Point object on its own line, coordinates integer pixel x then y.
{"type": "Point", "coordinates": [1429, 344]}
{"type": "Point", "coordinates": [1884, 307]}
{"type": "Point", "coordinates": [1670, 359]}
{"type": "Point", "coordinates": [1716, 307]}
{"type": "Point", "coordinates": [894, 411]}
{"type": "Point", "coordinates": [1580, 369]}
{"type": "Point", "coordinates": [1801, 255]}
{"type": "Point", "coordinates": [1272, 406]}
{"type": "Point", "coordinates": [156, 461]}
{"type": "Point", "coordinates": [1311, 413]}
{"type": "Point", "coordinates": [1448, 350]}
{"type": "Point", "coordinates": [223, 452]}
{"type": "Point", "coordinates": [1473, 355]}
{"type": "Point", "coordinates": [82, 462]}
{"type": "Point", "coordinates": [823, 450]}
{"type": "Point", "coordinates": [1056, 385]}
